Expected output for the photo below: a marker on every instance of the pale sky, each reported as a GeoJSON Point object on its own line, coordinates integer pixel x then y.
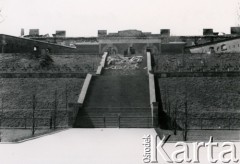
{"type": "Point", "coordinates": [85, 17]}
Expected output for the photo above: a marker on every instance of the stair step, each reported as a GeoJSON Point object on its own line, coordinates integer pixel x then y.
{"type": "Point", "coordinates": [124, 91]}
{"type": "Point", "coordinates": [110, 95]}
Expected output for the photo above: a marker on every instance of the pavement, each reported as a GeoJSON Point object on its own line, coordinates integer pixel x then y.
{"type": "Point", "coordinates": [80, 146]}
{"type": "Point", "coordinates": [91, 146]}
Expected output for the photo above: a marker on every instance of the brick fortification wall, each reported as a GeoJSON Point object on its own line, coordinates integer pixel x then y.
{"type": "Point", "coordinates": [122, 45]}
{"type": "Point", "coordinates": [12, 44]}
{"type": "Point", "coordinates": [87, 48]}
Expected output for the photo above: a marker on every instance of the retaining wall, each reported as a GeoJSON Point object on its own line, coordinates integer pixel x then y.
{"type": "Point", "coordinates": [43, 75]}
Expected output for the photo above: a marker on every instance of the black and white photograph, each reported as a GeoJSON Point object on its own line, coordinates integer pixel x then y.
{"type": "Point", "coordinates": [119, 81]}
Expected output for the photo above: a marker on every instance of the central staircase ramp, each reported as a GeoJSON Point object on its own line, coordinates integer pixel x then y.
{"type": "Point", "coordinates": [116, 101]}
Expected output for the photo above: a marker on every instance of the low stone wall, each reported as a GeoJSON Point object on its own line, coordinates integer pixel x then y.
{"type": "Point", "coordinates": [43, 75]}
{"type": "Point", "coordinates": [197, 74]}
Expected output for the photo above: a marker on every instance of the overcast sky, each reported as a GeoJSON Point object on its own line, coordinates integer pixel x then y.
{"type": "Point", "coordinates": [85, 17]}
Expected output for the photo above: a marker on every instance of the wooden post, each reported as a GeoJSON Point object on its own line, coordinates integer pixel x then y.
{"type": "Point", "coordinates": [33, 115]}
{"type": "Point", "coordinates": [168, 103]}
{"type": "Point", "coordinates": [104, 121]}
{"type": "Point", "coordinates": [175, 120]}
{"type": "Point", "coordinates": [229, 123]}
{"type": "Point", "coordinates": [118, 120]}
{"type": "Point", "coordinates": [186, 112]}
{"type": "Point", "coordinates": [66, 92]}
{"type": "Point", "coordinates": [25, 122]}
{"type": "Point", "coordinates": [149, 120]}
{"type": "Point", "coordinates": [165, 98]}
{"type": "Point", "coordinates": [201, 122]}
{"type": "Point", "coordinates": [2, 106]}
{"type": "Point", "coordinates": [50, 123]}
{"type": "Point", "coordinates": [186, 122]}
{"type": "Point", "coordinates": [2, 112]}
{"type": "Point", "coordinates": [55, 111]}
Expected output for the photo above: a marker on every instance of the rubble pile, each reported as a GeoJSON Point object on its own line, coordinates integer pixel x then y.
{"type": "Point", "coordinates": [120, 62]}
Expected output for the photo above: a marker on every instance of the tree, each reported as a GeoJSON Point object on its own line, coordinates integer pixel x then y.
{"type": "Point", "coordinates": [45, 59]}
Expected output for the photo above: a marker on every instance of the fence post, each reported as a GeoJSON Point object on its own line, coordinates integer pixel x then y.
{"type": "Point", "coordinates": [2, 113]}
{"type": "Point", "coordinates": [66, 89]}
{"type": "Point", "coordinates": [50, 123]}
{"type": "Point", "coordinates": [33, 115]}
{"type": "Point", "coordinates": [229, 123]}
{"type": "Point", "coordinates": [2, 106]}
{"type": "Point", "coordinates": [55, 111]}
{"type": "Point", "coordinates": [201, 122]}
{"type": "Point", "coordinates": [175, 119]}
{"type": "Point", "coordinates": [104, 121]}
{"type": "Point", "coordinates": [186, 122]}
{"type": "Point", "coordinates": [25, 122]}
{"type": "Point", "coordinates": [149, 118]}
{"type": "Point", "coordinates": [118, 120]}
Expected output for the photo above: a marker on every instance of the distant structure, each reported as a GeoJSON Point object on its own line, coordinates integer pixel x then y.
{"type": "Point", "coordinates": [165, 32]}
{"type": "Point", "coordinates": [22, 32]}
{"type": "Point", "coordinates": [60, 33]}
{"type": "Point", "coordinates": [129, 42]}
{"type": "Point", "coordinates": [208, 31]}
{"type": "Point", "coordinates": [34, 32]}
{"type": "Point", "coordinates": [217, 44]}
{"type": "Point", "coordinates": [224, 46]}
{"type": "Point", "coordinates": [134, 41]}
{"type": "Point", "coordinates": [235, 30]}
{"type": "Point", "coordinates": [102, 33]}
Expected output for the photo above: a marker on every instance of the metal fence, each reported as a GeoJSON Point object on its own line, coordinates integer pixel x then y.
{"type": "Point", "coordinates": [28, 123]}
{"type": "Point", "coordinates": [33, 116]}
{"type": "Point", "coordinates": [201, 123]}
{"type": "Point", "coordinates": [115, 122]}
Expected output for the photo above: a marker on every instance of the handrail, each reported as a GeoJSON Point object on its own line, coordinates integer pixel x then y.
{"type": "Point", "coordinates": [102, 64]}
{"type": "Point", "coordinates": [152, 92]}
{"type": "Point", "coordinates": [84, 89]}
{"type": "Point", "coordinates": [149, 62]}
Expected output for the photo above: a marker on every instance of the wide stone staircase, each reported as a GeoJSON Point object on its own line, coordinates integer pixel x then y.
{"type": "Point", "coordinates": [116, 100]}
